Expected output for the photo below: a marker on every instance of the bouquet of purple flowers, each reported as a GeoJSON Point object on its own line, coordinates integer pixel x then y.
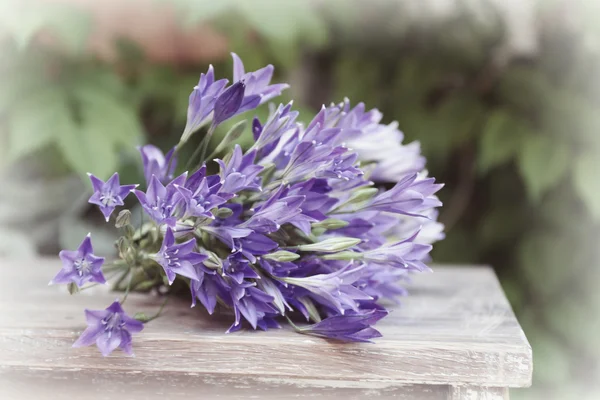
{"type": "Point", "coordinates": [293, 228]}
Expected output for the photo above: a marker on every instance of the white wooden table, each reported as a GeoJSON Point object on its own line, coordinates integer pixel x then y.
{"type": "Point", "coordinates": [455, 337]}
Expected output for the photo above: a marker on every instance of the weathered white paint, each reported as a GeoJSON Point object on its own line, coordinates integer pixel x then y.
{"type": "Point", "coordinates": [454, 337]}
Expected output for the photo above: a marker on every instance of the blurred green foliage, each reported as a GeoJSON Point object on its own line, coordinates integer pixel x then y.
{"type": "Point", "coordinates": [516, 140]}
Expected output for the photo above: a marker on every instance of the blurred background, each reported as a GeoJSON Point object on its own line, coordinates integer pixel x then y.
{"type": "Point", "coordinates": [504, 96]}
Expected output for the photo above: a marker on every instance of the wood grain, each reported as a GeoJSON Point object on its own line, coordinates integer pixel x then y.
{"type": "Point", "coordinates": [455, 329]}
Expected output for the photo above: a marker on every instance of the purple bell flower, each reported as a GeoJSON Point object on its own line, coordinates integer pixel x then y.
{"type": "Point", "coordinates": [109, 329]}
{"type": "Point", "coordinates": [202, 102]}
{"type": "Point", "coordinates": [240, 173]}
{"type": "Point", "coordinates": [408, 197]}
{"type": "Point", "coordinates": [228, 103]}
{"type": "Point", "coordinates": [157, 164]}
{"type": "Point", "coordinates": [250, 302]}
{"type": "Point", "coordinates": [163, 204]}
{"type": "Point", "coordinates": [348, 328]}
{"type": "Point", "coordinates": [110, 194]}
{"type": "Point", "coordinates": [238, 268]}
{"type": "Point", "coordinates": [258, 90]}
{"type": "Point", "coordinates": [335, 289]}
{"type": "Point", "coordinates": [80, 266]}
{"type": "Point", "coordinates": [207, 288]}
{"type": "Point", "coordinates": [178, 258]}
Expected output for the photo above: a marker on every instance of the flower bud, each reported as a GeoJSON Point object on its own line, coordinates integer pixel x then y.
{"type": "Point", "coordinates": [142, 317]}
{"type": "Point", "coordinates": [330, 224]}
{"type": "Point", "coordinates": [229, 102]}
{"type": "Point", "coordinates": [362, 194]}
{"type": "Point", "coordinates": [213, 261]}
{"type": "Point", "coordinates": [123, 247]}
{"type": "Point", "coordinates": [72, 288]}
{"type": "Point", "coordinates": [282, 256]}
{"type": "Point", "coordinates": [124, 218]}
{"type": "Point", "coordinates": [331, 245]}
{"type": "Point", "coordinates": [223, 213]}
{"type": "Point", "coordinates": [343, 255]}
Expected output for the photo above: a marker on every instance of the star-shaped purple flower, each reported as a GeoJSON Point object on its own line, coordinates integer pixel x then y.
{"type": "Point", "coordinates": [80, 266]}
{"type": "Point", "coordinates": [110, 194]}
{"type": "Point", "coordinates": [157, 164]}
{"type": "Point", "coordinates": [258, 88]}
{"type": "Point", "coordinates": [179, 258]}
{"type": "Point", "coordinates": [109, 329]}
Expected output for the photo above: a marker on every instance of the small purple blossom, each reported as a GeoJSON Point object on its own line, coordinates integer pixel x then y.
{"type": "Point", "coordinates": [163, 204]}
{"type": "Point", "coordinates": [80, 266]}
{"type": "Point", "coordinates": [240, 173]}
{"type": "Point", "coordinates": [410, 196]}
{"type": "Point", "coordinates": [348, 328]}
{"type": "Point", "coordinates": [335, 289]}
{"type": "Point", "coordinates": [202, 102]}
{"type": "Point", "coordinates": [155, 163]}
{"type": "Point", "coordinates": [229, 102]}
{"type": "Point", "coordinates": [110, 194]}
{"type": "Point", "coordinates": [258, 88]}
{"type": "Point", "coordinates": [109, 329]}
{"type": "Point", "coordinates": [178, 258]}
{"type": "Point", "coordinates": [250, 302]}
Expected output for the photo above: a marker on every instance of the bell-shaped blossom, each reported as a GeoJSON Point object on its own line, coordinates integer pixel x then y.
{"type": "Point", "coordinates": [352, 327]}
{"type": "Point", "coordinates": [240, 172]}
{"type": "Point", "coordinates": [335, 289]}
{"type": "Point", "coordinates": [110, 194]}
{"type": "Point", "coordinates": [164, 204]}
{"type": "Point", "coordinates": [80, 266]}
{"type": "Point", "coordinates": [228, 103]}
{"type": "Point", "coordinates": [250, 302]}
{"type": "Point", "coordinates": [258, 87]}
{"type": "Point", "coordinates": [109, 329]}
{"type": "Point", "coordinates": [155, 163]}
{"type": "Point", "coordinates": [179, 258]}
{"type": "Point", "coordinates": [202, 102]}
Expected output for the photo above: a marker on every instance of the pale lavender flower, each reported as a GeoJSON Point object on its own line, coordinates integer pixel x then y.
{"type": "Point", "coordinates": [238, 268]}
{"type": "Point", "coordinates": [409, 197]}
{"type": "Point", "coordinates": [110, 194]}
{"type": "Point", "coordinates": [404, 254]}
{"type": "Point", "coordinates": [178, 258]}
{"type": "Point", "coordinates": [280, 121]}
{"type": "Point", "coordinates": [109, 329]}
{"type": "Point", "coordinates": [258, 88]}
{"type": "Point", "coordinates": [349, 328]}
{"type": "Point", "coordinates": [240, 173]}
{"type": "Point", "coordinates": [335, 289]}
{"type": "Point", "coordinates": [250, 302]}
{"type": "Point", "coordinates": [163, 204]}
{"type": "Point", "coordinates": [207, 288]}
{"type": "Point", "coordinates": [202, 102]}
{"type": "Point", "coordinates": [155, 163]}
{"type": "Point", "coordinates": [80, 266]}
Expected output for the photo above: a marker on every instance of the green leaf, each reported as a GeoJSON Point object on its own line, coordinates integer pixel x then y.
{"type": "Point", "coordinates": [586, 180]}
{"type": "Point", "coordinates": [543, 162]}
{"type": "Point", "coordinates": [87, 149]}
{"type": "Point", "coordinates": [500, 140]}
{"type": "Point", "coordinates": [119, 121]}
{"type": "Point", "coordinates": [70, 24]}
{"type": "Point", "coordinates": [36, 121]}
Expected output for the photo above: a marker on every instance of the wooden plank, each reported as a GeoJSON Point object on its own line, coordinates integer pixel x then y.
{"type": "Point", "coordinates": [477, 393]}
{"type": "Point", "coordinates": [456, 328]}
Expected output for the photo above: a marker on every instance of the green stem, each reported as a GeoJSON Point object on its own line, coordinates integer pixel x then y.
{"type": "Point", "coordinates": [201, 149]}
{"type": "Point", "coordinates": [160, 310]}
{"type": "Point", "coordinates": [127, 289]}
